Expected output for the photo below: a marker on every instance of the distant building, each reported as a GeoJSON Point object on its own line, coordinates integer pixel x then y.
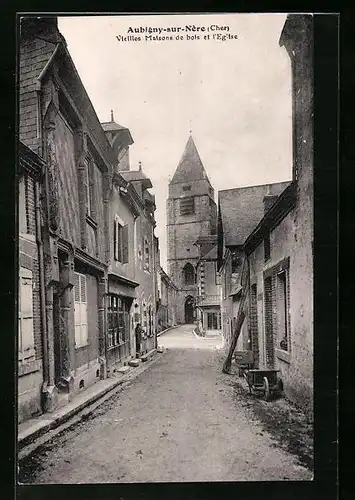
{"type": "Point", "coordinates": [123, 211]}
{"type": "Point", "coordinates": [144, 304]}
{"type": "Point", "coordinates": [191, 213]}
{"type": "Point", "coordinates": [208, 298]}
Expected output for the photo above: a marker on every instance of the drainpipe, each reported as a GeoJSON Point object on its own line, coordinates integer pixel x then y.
{"type": "Point", "coordinates": [42, 284]}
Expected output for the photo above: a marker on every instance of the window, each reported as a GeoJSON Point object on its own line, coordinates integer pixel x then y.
{"type": "Point", "coordinates": [282, 311]}
{"type": "Point", "coordinates": [269, 327]}
{"type": "Point", "coordinates": [186, 188]}
{"type": "Point", "coordinates": [26, 350]}
{"type": "Point", "coordinates": [146, 256]}
{"type": "Point", "coordinates": [189, 274]}
{"type": "Point", "coordinates": [26, 196]}
{"type": "Point", "coordinates": [187, 206]}
{"type": "Point", "coordinates": [117, 319]}
{"type": "Point", "coordinates": [120, 241]}
{"type": "Point", "coordinates": [89, 189]}
{"type": "Point", "coordinates": [267, 246]}
{"type": "Point", "coordinates": [80, 310]}
{"type": "Point", "coordinates": [236, 261]}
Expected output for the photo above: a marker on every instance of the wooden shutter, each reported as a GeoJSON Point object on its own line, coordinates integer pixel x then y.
{"type": "Point", "coordinates": [92, 189]}
{"type": "Point", "coordinates": [26, 337]}
{"type": "Point", "coordinates": [83, 310]}
{"type": "Point", "coordinates": [115, 256]}
{"type": "Point", "coordinates": [125, 243]}
{"type": "Point", "coordinates": [77, 310]}
{"type": "Point", "coordinates": [80, 310]}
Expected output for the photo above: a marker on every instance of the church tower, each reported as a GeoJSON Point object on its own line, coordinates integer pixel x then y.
{"type": "Point", "coordinates": [191, 214]}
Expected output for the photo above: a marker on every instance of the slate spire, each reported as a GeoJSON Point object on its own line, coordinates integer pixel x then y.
{"type": "Point", "coordinates": [190, 167]}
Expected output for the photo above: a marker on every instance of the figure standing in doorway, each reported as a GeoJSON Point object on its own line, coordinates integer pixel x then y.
{"type": "Point", "coordinates": [138, 333]}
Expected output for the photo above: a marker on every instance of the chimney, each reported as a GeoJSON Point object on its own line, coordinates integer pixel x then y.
{"type": "Point", "coordinates": [269, 200]}
{"type": "Point", "coordinates": [112, 120]}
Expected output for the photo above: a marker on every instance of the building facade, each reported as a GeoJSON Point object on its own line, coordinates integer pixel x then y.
{"type": "Point", "coordinates": [274, 286]}
{"type": "Point", "coordinates": [191, 213]}
{"type": "Point", "coordinates": [31, 356]}
{"type": "Point", "coordinates": [239, 212]}
{"type": "Point", "coordinates": [144, 304]}
{"type": "Point", "coordinates": [280, 249]}
{"type": "Point", "coordinates": [86, 232]}
{"type": "Point", "coordinates": [208, 285]}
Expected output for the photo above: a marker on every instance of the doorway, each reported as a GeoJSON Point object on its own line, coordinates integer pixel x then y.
{"type": "Point", "coordinates": [189, 310]}
{"type": "Point", "coordinates": [212, 321]}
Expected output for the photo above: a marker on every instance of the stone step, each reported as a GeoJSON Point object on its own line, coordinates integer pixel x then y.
{"type": "Point", "coordinates": [123, 369]}
{"type": "Point", "coordinates": [149, 354]}
{"type": "Point", "coordinates": [134, 362]}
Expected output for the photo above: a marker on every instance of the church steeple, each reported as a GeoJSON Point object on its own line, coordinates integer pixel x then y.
{"type": "Point", "coordinates": [190, 167]}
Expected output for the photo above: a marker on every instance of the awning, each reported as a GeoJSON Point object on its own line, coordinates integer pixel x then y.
{"type": "Point", "coordinates": [121, 286]}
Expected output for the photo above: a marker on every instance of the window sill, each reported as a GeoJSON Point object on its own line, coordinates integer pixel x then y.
{"type": "Point", "coordinates": [283, 355]}
{"type": "Point", "coordinates": [26, 367]}
{"type": "Point", "coordinates": [78, 347]}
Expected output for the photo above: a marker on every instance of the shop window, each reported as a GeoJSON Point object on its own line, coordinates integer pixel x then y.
{"type": "Point", "coordinates": [187, 206]}
{"type": "Point", "coordinates": [80, 310]}
{"type": "Point", "coordinates": [26, 350]}
{"type": "Point", "coordinates": [117, 321]}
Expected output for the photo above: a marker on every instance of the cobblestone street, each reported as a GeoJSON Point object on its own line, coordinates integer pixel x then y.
{"type": "Point", "coordinates": [181, 420]}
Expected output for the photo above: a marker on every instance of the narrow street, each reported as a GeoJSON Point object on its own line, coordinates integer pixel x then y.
{"type": "Point", "coordinates": [181, 420]}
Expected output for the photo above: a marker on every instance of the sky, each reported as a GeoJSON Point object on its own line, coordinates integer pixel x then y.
{"type": "Point", "coordinates": [234, 95]}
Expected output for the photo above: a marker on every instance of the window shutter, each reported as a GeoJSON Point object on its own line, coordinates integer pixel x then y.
{"type": "Point", "coordinates": [80, 310]}
{"type": "Point", "coordinates": [115, 239]}
{"type": "Point", "coordinates": [26, 312]}
{"type": "Point", "coordinates": [92, 189]}
{"type": "Point", "coordinates": [77, 310]}
{"type": "Point", "coordinates": [83, 309]}
{"type": "Point", "coordinates": [125, 251]}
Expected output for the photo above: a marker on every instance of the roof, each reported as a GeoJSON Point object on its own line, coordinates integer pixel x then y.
{"type": "Point", "coordinates": [211, 255]}
{"type": "Point", "coordinates": [112, 126]}
{"type": "Point", "coordinates": [283, 205]}
{"type": "Point", "coordinates": [241, 209]}
{"type": "Point", "coordinates": [136, 175]}
{"type": "Point", "coordinates": [190, 167]}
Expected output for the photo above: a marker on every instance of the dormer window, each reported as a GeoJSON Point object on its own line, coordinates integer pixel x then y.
{"type": "Point", "coordinates": [186, 188]}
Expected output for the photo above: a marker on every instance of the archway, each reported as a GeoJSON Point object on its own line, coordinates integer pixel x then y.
{"type": "Point", "coordinates": [189, 309]}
